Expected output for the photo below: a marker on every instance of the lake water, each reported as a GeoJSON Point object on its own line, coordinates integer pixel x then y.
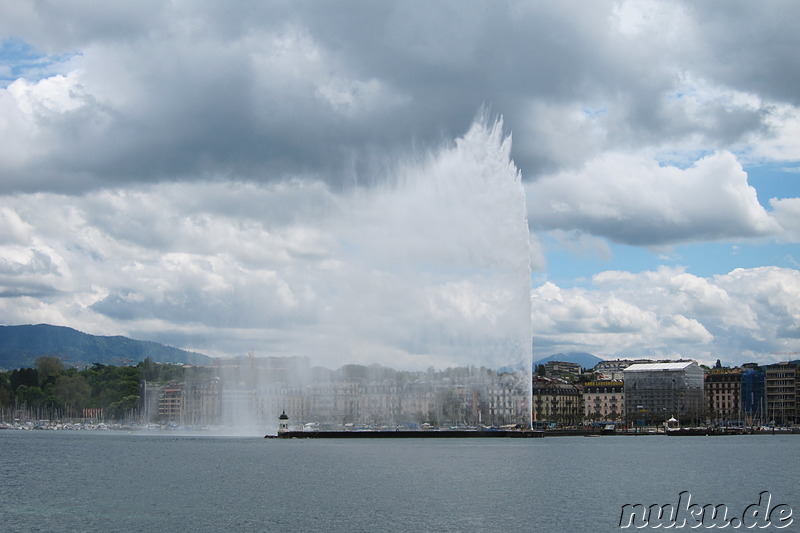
{"type": "Point", "coordinates": [113, 481]}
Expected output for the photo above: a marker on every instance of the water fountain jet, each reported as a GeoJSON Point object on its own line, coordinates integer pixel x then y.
{"type": "Point", "coordinates": [429, 272]}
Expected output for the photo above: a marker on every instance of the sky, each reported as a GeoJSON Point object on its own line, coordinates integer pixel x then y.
{"type": "Point", "coordinates": [405, 183]}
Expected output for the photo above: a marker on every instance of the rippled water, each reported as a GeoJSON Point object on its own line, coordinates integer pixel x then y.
{"type": "Point", "coordinates": [64, 481]}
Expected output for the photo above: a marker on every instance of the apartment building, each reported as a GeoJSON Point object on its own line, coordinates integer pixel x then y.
{"type": "Point", "coordinates": [723, 390]}
{"type": "Point", "coordinates": [782, 382]}
{"type": "Point", "coordinates": [604, 401]}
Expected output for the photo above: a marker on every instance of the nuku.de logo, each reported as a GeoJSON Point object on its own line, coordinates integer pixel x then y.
{"type": "Point", "coordinates": [686, 514]}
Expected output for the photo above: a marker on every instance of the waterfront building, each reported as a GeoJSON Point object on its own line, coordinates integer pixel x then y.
{"type": "Point", "coordinates": [170, 403]}
{"type": "Point", "coordinates": [723, 390]}
{"type": "Point", "coordinates": [272, 397]}
{"type": "Point", "coordinates": [336, 403]}
{"type": "Point", "coordinates": [557, 401]}
{"type": "Point", "coordinates": [501, 407]}
{"type": "Point", "coordinates": [782, 382]}
{"type": "Point", "coordinates": [656, 392]}
{"type": "Point", "coordinates": [378, 401]}
{"type": "Point", "coordinates": [252, 371]}
{"type": "Point", "coordinates": [604, 401]}
{"type": "Point", "coordinates": [754, 394]}
{"type": "Point", "coordinates": [417, 401]}
{"type": "Point", "coordinates": [248, 392]}
{"type": "Point", "coordinates": [202, 402]}
{"type": "Point", "coordinates": [506, 401]}
{"type": "Point", "coordinates": [291, 397]}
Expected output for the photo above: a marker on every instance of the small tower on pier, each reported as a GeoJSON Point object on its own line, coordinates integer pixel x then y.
{"type": "Point", "coordinates": [283, 423]}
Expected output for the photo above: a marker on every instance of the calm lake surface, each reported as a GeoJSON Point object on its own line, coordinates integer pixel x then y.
{"type": "Point", "coordinates": [110, 481]}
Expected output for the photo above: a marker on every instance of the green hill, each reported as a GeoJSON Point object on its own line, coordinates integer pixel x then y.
{"type": "Point", "coordinates": [21, 345]}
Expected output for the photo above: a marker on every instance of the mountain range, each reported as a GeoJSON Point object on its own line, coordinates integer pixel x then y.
{"type": "Point", "coordinates": [21, 345]}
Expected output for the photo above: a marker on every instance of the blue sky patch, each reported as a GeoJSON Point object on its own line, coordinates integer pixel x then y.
{"type": "Point", "coordinates": [19, 59]}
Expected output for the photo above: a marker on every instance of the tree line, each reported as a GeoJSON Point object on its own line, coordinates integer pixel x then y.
{"type": "Point", "coordinates": [52, 391]}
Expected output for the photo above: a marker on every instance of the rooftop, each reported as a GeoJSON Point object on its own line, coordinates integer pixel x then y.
{"type": "Point", "coordinates": [649, 367]}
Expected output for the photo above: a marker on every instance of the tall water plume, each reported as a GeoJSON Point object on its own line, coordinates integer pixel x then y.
{"type": "Point", "coordinates": [428, 271]}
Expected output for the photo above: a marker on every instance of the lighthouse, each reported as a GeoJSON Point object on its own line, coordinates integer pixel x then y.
{"type": "Point", "coordinates": [283, 423]}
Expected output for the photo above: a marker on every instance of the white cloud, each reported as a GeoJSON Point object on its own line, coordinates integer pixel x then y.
{"type": "Point", "coordinates": [629, 198]}
{"type": "Point", "coordinates": [17, 130]}
{"type": "Point", "coordinates": [54, 95]}
{"type": "Point", "coordinates": [568, 134]}
{"type": "Point", "coordinates": [781, 141]}
{"type": "Point", "coordinates": [13, 230]}
{"type": "Point", "coordinates": [787, 212]}
{"type": "Point", "coordinates": [740, 316]}
{"type": "Point", "coordinates": [654, 19]}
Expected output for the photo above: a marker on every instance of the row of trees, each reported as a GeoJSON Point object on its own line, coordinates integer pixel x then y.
{"type": "Point", "coordinates": [49, 390]}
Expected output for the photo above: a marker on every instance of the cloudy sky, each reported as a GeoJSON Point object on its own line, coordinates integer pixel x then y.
{"type": "Point", "coordinates": [350, 181]}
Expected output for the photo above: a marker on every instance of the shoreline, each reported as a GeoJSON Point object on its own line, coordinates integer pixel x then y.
{"type": "Point", "coordinates": [471, 434]}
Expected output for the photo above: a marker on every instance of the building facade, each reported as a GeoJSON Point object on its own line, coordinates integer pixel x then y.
{"type": "Point", "coordinates": [782, 392]}
{"type": "Point", "coordinates": [202, 402]}
{"type": "Point", "coordinates": [656, 392]}
{"type": "Point", "coordinates": [604, 401]}
{"type": "Point", "coordinates": [170, 403]}
{"type": "Point", "coordinates": [723, 389]}
{"type": "Point", "coordinates": [754, 395]}
{"type": "Point", "coordinates": [557, 401]}
{"type": "Point", "coordinates": [248, 393]}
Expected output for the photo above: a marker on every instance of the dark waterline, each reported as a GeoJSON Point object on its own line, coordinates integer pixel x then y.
{"type": "Point", "coordinates": [64, 481]}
